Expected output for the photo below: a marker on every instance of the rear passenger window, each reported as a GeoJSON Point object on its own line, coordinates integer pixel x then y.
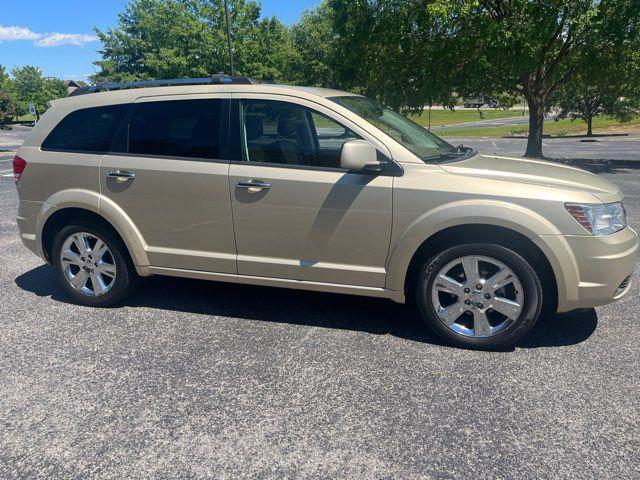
{"type": "Point", "coordinates": [86, 130]}
{"type": "Point", "coordinates": [177, 128]}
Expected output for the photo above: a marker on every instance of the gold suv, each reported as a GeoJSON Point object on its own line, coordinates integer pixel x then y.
{"type": "Point", "coordinates": [231, 180]}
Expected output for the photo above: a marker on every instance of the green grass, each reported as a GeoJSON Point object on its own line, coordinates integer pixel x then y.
{"type": "Point", "coordinates": [24, 119]}
{"type": "Point", "coordinates": [461, 115]}
{"type": "Point", "coordinates": [560, 128]}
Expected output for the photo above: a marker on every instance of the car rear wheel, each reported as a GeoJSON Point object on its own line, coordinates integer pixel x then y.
{"type": "Point", "coordinates": [479, 296]}
{"type": "Point", "coordinates": [92, 265]}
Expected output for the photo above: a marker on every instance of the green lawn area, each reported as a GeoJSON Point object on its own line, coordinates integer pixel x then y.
{"type": "Point", "coordinates": [25, 118]}
{"type": "Point", "coordinates": [560, 128]}
{"type": "Point", "coordinates": [461, 115]}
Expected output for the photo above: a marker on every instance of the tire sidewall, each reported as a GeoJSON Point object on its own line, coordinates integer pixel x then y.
{"type": "Point", "coordinates": [525, 273]}
{"type": "Point", "coordinates": [124, 269]}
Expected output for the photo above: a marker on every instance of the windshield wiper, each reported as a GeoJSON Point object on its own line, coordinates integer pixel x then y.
{"type": "Point", "coordinates": [460, 152]}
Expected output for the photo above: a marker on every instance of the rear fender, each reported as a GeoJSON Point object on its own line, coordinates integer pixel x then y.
{"type": "Point", "coordinates": [94, 202]}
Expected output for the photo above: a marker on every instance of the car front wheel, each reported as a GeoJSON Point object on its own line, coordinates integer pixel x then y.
{"type": "Point", "coordinates": [479, 296]}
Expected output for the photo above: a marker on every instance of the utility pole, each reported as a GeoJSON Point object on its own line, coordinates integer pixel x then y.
{"type": "Point", "coordinates": [226, 14]}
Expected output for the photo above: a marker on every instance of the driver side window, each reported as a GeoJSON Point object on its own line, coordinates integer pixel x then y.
{"type": "Point", "coordinates": [286, 133]}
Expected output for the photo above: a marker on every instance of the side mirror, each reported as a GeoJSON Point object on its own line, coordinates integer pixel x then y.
{"type": "Point", "coordinates": [360, 155]}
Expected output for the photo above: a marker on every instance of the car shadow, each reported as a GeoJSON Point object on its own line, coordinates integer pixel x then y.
{"type": "Point", "coordinates": [297, 307]}
{"type": "Point", "coordinates": [561, 329]}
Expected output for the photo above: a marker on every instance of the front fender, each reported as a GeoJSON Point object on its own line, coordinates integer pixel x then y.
{"type": "Point", "coordinates": [486, 212]}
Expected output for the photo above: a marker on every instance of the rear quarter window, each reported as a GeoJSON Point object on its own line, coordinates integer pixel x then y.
{"type": "Point", "coordinates": [86, 130]}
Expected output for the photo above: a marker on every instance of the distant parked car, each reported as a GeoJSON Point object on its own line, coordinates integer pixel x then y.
{"type": "Point", "coordinates": [480, 102]}
{"type": "Point", "coordinates": [313, 189]}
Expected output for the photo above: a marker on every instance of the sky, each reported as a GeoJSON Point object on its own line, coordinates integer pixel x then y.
{"type": "Point", "coordinates": [57, 35]}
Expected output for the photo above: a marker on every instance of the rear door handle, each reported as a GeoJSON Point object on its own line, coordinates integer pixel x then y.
{"type": "Point", "coordinates": [121, 175]}
{"type": "Point", "coordinates": [253, 186]}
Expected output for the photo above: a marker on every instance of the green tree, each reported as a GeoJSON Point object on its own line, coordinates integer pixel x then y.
{"type": "Point", "coordinates": [535, 48]}
{"type": "Point", "coordinates": [264, 52]}
{"type": "Point", "coordinates": [7, 101]}
{"type": "Point", "coordinates": [53, 88]}
{"type": "Point", "coordinates": [7, 110]}
{"type": "Point", "coordinates": [409, 51]}
{"type": "Point", "coordinates": [158, 39]}
{"type": "Point", "coordinates": [609, 87]}
{"type": "Point", "coordinates": [4, 78]}
{"type": "Point", "coordinates": [29, 86]}
{"type": "Point", "coordinates": [311, 56]}
{"type": "Point", "coordinates": [394, 50]}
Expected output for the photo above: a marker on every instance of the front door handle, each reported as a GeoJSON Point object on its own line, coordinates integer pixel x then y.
{"type": "Point", "coordinates": [254, 186]}
{"type": "Point", "coordinates": [121, 175]}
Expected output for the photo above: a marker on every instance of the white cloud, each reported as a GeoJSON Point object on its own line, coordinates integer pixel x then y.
{"type": "Point", "coordinates": [17, 33]}
{"type": "Point", "coordinates": [56, 39]}
{"type": "Point", "coordinates": [47, 39]}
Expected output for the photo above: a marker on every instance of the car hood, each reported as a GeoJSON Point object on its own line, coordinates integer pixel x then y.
{"type": "Point", "coordinates": [538, 172]}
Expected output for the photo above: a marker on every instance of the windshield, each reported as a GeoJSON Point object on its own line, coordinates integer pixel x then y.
{"type": "Point", "coordinates": [418, 140]}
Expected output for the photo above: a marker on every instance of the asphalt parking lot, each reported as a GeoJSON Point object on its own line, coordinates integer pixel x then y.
{"type": "Point", "coordinates": [197, 379]}
{"type": "Point", "coordinates": [605, 149]}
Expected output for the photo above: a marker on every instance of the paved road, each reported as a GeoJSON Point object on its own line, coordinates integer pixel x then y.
{"type": "Point", "coordinates": [598, 148]}
{"type": "Point", "coordinates": [196, 379]}
{"type": "Point", "coordinates": [12, 139]}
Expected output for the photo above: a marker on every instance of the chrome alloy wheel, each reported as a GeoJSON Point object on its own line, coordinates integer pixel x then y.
{"type": "Point", "coordinates": [477, 296]}
{"type": "Point", "coordinates": [88, 264]}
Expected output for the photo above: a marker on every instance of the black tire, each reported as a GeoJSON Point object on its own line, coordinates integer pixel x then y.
{"type": "Point", "coordinates": [529, 280]}
{"type": "Point", "coordinates": [126, 278]}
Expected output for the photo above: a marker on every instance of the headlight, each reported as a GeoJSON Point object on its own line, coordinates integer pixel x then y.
{"type": "Point", "coordinates": [599, 219]}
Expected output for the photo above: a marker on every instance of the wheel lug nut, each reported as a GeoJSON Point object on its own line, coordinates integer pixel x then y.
{"type": "Point", "coordinates": [479, 305]}
{"type": "Point", "coordinates": [479, 286]}
{"type": "Point", "coordinates": [487, 296]}
{"type": "Point", "coordinates": [467, 302]}
{"type": "Point", "coordinates": [467, 290]}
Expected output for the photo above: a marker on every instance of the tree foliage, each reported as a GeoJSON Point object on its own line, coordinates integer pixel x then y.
{"type": "Point", "coordinates": [7, 109]}
{"type": "Point", "coordinates": [394, 50]}
{"type": "Point", "coordinates": [27, 85]}
{"type": "Point", "coordinates": [608, 87]}
{"type": "Point", "coordinates": [187, 38]}
{"type": "Point", "coordinates": [535, 48]}
{"type": "Point", "coordinates": [7, 103]}
{"type": "Point", "coordinates": [406, 53]}
{"type": "Point", "coordinates": [419, 50]}
{"type": "Point", "coordinates": [312, 59]}
{"type": "Point", "coordinates": [4, 78]}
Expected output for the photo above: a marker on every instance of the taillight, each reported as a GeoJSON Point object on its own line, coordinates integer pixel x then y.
{"type": "Point", "coordinates": [18, 167]}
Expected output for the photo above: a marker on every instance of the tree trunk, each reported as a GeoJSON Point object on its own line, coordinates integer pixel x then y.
{"type": "Point", "coordinates": [536, 122]}
{"type": "Point", "coordinates": [590, 126]}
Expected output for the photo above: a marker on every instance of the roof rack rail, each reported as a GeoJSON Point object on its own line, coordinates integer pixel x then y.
{"type": "Point", "coordinates": [214, 79]}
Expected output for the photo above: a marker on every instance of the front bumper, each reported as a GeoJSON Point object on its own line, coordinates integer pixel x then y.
{"type": "Point", "coordinates": [602, 263]}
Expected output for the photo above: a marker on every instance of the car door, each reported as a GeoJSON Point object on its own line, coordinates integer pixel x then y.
{"type": "Point", "coordinates": [169, 176]}
{"type": "Point", "coordinates": [297, 214]}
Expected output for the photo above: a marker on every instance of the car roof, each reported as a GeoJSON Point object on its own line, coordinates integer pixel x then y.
{"type": "Point", "coordinates": [132, 94]}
